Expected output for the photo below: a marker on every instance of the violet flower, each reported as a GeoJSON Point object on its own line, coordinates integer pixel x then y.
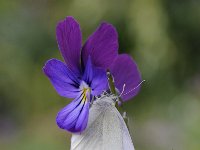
{"type": "Point", "coordinates": [83, 75]}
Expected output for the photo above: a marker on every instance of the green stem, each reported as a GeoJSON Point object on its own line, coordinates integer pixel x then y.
{"type": "Point", "coordinates": [111, 83]}
{"type": "Point", "coordinates": [113, 91]}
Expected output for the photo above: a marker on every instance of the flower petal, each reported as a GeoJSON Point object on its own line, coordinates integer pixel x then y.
{"type": "Point", "coordinates": [95, 77]}
{"type": "Point", "coordinates": [74, 117]}
{"type": "Point", "coordinates": [88, 73]}
{"type": "Point", "coordinates": [69, 40]}
{"type": "Point", "coordinates": [125, 71]}
{"type": "Point", "coordinates": [62, 78]}
{"type": "Point", "coordinates": [102, 46]}
{"type": "Point", "coordinates": [99, 82]}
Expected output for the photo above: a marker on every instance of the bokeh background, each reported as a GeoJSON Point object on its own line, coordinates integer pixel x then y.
{"type": "Point", "coordinates": [163, 36]}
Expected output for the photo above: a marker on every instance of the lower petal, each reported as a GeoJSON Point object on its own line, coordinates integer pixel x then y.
{"type": "Point", "coordinates": [74, 116]}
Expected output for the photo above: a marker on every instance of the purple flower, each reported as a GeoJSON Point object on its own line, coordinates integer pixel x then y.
{"type": "Point", "coordinates": [83, 75]}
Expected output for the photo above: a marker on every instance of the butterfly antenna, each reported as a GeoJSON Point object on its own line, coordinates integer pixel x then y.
{"type": "Point", "coordinates": [134, 88]}
{"type": "Point", "coordinates": [123, 88]}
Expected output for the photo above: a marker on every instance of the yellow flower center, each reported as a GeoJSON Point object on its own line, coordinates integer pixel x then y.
{"type": "Point", "coordinates": [85, 89]}
{"type": "Point", "coordinates": [85, 94]}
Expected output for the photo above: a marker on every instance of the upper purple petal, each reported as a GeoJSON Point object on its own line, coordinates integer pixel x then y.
{"type": "Point", "coordinates": [74, 116]}
{"type": "Point", "coordinates": [125, 71]}
{"type": "Point", "coordinates": [99, 82]}
{"type": "Point", "coordinates": [88, 72]}
{"type": "Point", "coordinates": [63, 79]}
{"type": "Point", "coordinates": [102, 46]}
{"type": "Point", "coordinates": [95, 77]}
{"type": "Point", "coordinates": [69, 40]}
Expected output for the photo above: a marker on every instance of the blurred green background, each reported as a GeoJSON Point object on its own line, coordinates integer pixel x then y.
{"type": "Point", "coordinates": [163, 36]}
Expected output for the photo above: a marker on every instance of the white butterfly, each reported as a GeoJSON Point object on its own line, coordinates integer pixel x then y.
{"type": "Point", "coordinates": [106, 129]}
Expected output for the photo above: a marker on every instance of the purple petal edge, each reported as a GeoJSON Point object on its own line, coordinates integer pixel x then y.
{"type": "Point", "coordinates": [125, 71]}
{"type": "Point", "coordinates": [69, 38]}
{"type": "Point", "coordinates": [102, 46]}
{"type": "Point", "coordinates": [62, 78]}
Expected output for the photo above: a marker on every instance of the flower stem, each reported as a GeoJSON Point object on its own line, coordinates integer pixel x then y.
{"type": "Point", "coordinates": [111, 83]}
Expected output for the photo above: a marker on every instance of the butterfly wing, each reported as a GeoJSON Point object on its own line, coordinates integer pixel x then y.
{"type": "Point", "coordinates": [106, 129]}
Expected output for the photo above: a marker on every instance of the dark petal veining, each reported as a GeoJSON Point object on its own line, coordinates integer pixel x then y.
{"type": "Point", "coordinates": [69, 40]}
{"type": "Point", "coordinates": [74, 116]}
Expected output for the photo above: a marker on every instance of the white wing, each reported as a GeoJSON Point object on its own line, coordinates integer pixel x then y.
{"type": "Point", "coordinates": [106, 129]}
